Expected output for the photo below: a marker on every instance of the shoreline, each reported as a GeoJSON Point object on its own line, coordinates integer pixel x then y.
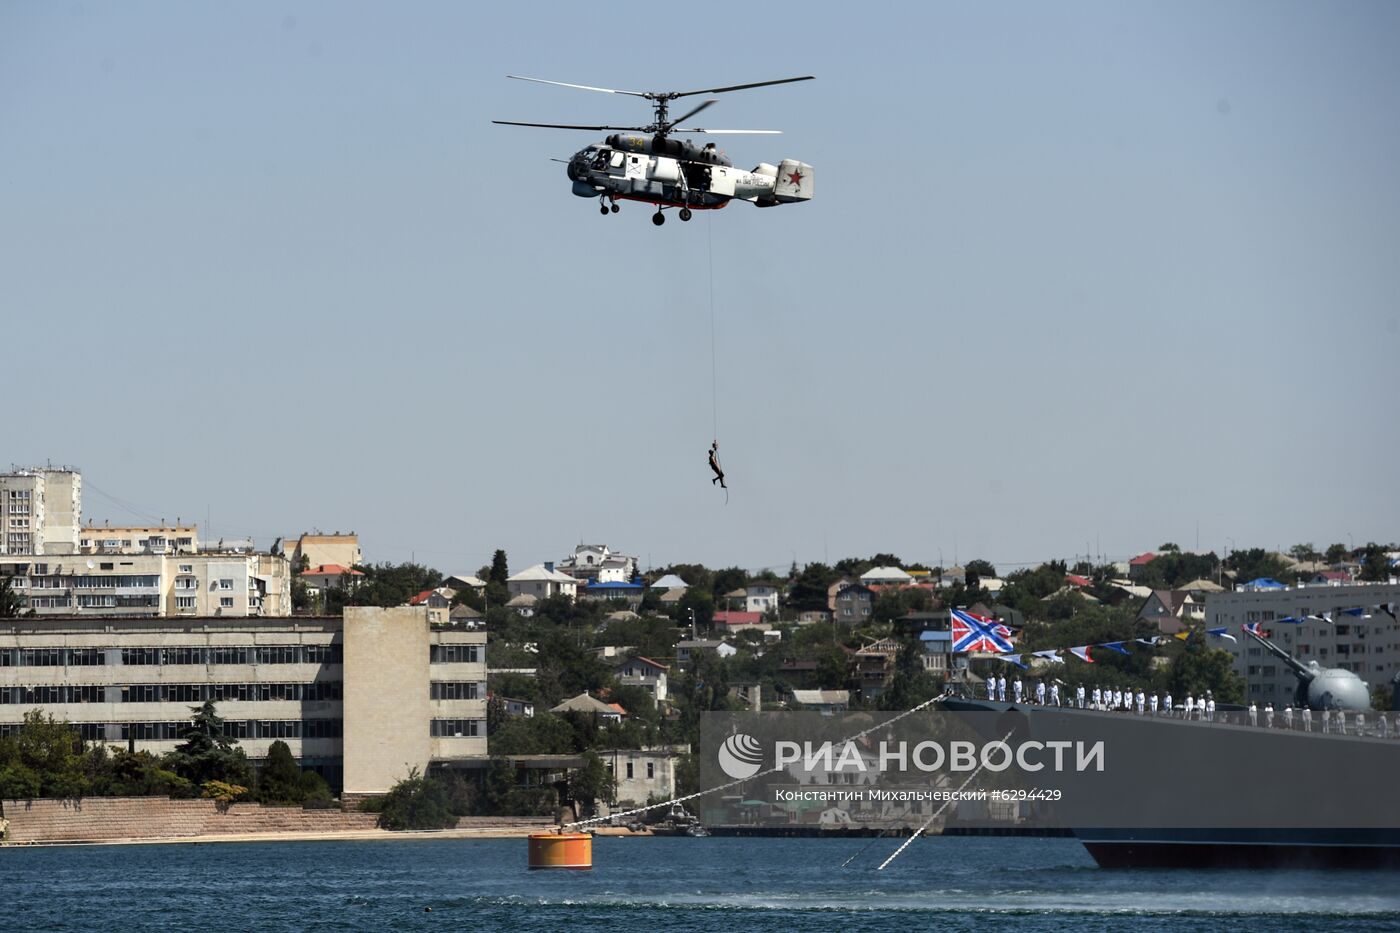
{"type": "Point", "coordinates": [493, 832]}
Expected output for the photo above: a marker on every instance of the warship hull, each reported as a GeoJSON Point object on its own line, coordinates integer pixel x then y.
{"type": "Point", "coordinates": [1296, 803]}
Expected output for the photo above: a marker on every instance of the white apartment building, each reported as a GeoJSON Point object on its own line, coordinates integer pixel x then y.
{"type": "Point", "coordinates": [360, 699]}
{"type": "Point", "coordinates": [1367, 644]}
{"type": "Point", "coordinates": [152, 585]}
{"type": "Point", "coordinates": [161, 539]}
{"type": "Point", "coordinates": [40, 509]}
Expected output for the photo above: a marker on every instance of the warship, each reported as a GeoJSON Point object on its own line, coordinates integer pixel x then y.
{"type": "Point", "coordinates": [1240, 789]}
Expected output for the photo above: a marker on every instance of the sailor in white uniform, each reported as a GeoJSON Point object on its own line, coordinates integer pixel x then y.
{"type": "Point", "coordinates": [1141, 702]}
{"type": "Point", "coordinates": [1020, 689]}
{"type": "Point", "coordinates": [1307, 719]}
{"type": "Point", "coordinates": [1152, 702]}
{"type": "Point", "coordinates": [1288, 716]}
{"type": "Point", "coordinates": [1001, 688]}
{"type": "Point", "coordinates": [1079, 696]}
{"type": "Point", "coordinates": [1040, 693]}
{"type": "Point", "coordinates": [1167, 704]}
{"type": "Point", "coordinates": [1098, 698]}
{"type": "Point", "coordinates": [1190, 706]}
{"type": "Point", "coordinates": [1253, 714]}
{"type": "Point", "coordinates": [1268, 715]}
{"type": "Point", "coordinates": [1210, 707]}
{"type": "Point", "coordinates": [1055, 694]}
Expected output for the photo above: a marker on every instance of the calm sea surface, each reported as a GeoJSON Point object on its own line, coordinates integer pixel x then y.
{"type": "Point", "coordinates": [736, 885]}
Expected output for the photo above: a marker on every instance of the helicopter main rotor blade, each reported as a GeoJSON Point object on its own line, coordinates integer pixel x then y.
{"type": "Point", "coordinates": [727, 132]}
{"type": "Point", "coordinates": [740, 87]}
{"type": "Point", "coordinates": [692, 113]}
{"type": "Point", "coordinates": [582, 87]}
{"type": "Point", "coordinates": [571, 126]}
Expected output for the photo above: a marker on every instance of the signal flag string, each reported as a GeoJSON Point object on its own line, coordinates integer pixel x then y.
{"type": "Point", "coordinates": [773, 770]}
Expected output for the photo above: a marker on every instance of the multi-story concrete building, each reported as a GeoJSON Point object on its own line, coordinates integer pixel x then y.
{"type": "Point", "coordinates": [205, 584]}
{"type": "Point", "coordinates": [361, 699]}
{"type": "Point", "coordinates": [1367, 644]}
{"type": "Point", "coordinates": [319, 549]}
{"type": "Point", "coordinates": [644, 774]}
{"type": "Point", "coordinates": [161, 539]}
{"type": "Point", "coordinates": [40, 509]}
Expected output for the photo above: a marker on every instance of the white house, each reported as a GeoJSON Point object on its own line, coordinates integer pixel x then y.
{"type": "Point", "coordinates": [756, 597]}
{"type": "Point", "coordinates": [542, 581]}
{"type": "Point", "coordinates": [688, 650]}
{"type": "Point", "coordinates": [597, 564]}
{"type": "Point", "coordinates": [885, 576]}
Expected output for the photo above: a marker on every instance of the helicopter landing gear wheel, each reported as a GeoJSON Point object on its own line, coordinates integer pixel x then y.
{"type": "Point", "coordinates": [603, 210]}
{"type": "Point", "coordinates": [685, 213]}
{"type": "Point", "coordinates": [615, 208]}
{"type": "Point", "coordinates": [658, 218]}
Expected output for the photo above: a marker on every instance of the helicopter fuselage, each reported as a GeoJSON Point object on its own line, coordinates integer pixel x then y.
{"type": "Point", "coordinates": [677, 173]}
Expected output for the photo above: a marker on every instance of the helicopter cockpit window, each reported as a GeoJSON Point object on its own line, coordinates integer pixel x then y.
{"type": "Point", "coordinates": [616, 160]}
{"type": "Point", "coordinates": [600, 159]}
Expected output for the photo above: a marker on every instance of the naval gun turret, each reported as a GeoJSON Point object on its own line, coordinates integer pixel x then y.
{"type": "Point", "coordinates": [1321, 687]}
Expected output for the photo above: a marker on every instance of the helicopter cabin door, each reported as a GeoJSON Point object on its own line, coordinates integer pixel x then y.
{"type": "Point", "coordinates": [636, 166]}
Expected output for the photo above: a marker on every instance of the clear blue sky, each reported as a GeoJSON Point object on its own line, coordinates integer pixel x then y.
{"type": "Point", "coordinates": [1076, 273]}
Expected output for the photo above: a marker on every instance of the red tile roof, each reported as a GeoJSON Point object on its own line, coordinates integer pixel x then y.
{"type": "Point", "coordinates": [1141, 559]}
{"type": "Point", "coordinates": [1077, 580]}
{"type": "Point", "coordinates": [420, 598]}
{"type": "Point", "coordinates": [738, 618]}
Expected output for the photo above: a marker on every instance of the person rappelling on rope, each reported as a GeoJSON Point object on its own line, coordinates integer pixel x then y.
{"type": "Point", "coordinates": [714, 465]}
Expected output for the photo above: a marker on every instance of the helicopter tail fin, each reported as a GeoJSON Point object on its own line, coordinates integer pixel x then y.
{"type": "Point", "coordinates": [794, 182]}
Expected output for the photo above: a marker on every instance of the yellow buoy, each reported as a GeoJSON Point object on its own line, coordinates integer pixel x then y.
{"type": "Point", "coordinates": [561, 850]}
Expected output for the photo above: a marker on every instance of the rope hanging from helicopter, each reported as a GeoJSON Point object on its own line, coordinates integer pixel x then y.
{"type": "Point", "coordinates": [714, 368]}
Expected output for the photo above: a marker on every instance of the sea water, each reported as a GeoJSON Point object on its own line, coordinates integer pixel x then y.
{"type": "Point", "coordinates": [729, 884]}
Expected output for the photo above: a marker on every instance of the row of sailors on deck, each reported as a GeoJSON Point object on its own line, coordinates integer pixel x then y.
{"type": "Point", "coordinates": [1202, 708]}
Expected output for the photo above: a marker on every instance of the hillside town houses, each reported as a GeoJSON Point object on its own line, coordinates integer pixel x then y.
{"type": "Point", "coordinates": [119, 629]}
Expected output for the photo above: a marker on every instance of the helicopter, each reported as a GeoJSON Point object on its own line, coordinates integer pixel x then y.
{"type": "Point", "coordinates": [674, 173]}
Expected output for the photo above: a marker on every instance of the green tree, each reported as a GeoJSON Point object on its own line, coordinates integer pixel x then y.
{"type": "Point", "coordinates": [207, 754]}
{"type": "Point", "coordinates": [727, 581]}
{"type": "Point", "coordinates": [1200, 668]}
{"type": "Point", "coordinates": [12, 604]}
{"type": "Point", "coordinates": [808, 592]}
{"type": "Point", "coordinates": [417, 803]}
{"type": "Point", "coordinates": [51, 751]}
{"type": "Point", "coordinates": [1336, 553]}
{"type": "Point", "coordinates": [982, 568]}
{"type": "Point", "coordinates": [1304, 552]}
{"type": "Point", "coordinates": [1375, 565]}
{"type": "Point", "coordinates": [911, 684]}
{"type": "Point", "coordinates": [386, 585]}
{"type": "Point", "coordinates": [1254, 563]}
{"type": "Point", "coordinates": [279, 781]}
{"type": "Point", "coordinates": [593, 782]}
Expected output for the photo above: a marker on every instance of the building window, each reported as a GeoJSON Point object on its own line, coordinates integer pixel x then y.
{"type": "Point", "coordinates": [184, 602]}
{"type": "Point", "coordinates": [629, 770]}
{"type": "Point", "coordinates": [456, 728]}
{"type": "Point", "coordinates": [456, 690]}
{"type": "Point", "coordinates": [225, 602]}
{"type": "Point", "coordinates": [187, 568]}
{"type": "Point", "coordinates": [455, 654]}
{"type": "Point", "coordinates": [225, 584]}
{"type": "Point", "coordinates": [651, 770]}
